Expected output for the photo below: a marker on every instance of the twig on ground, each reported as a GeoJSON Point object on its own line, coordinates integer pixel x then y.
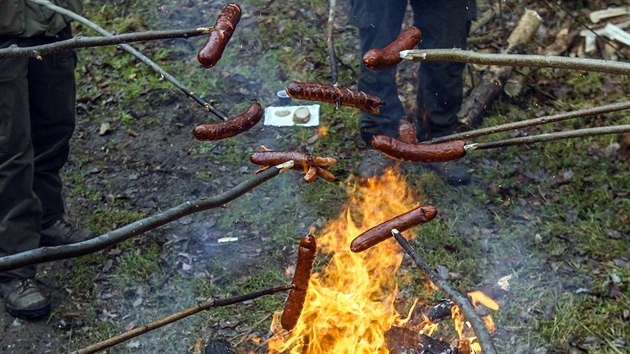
{"type": "Point", "coordinates": [535, 121]}
{"type": "Point", "coordinates": [85, 42]}
{"type": "Point", "coordinates": [133, 52]}
{"type": "Point", "coordinates": [537, 61]}
{"type": "Point", "coordinates": [45, 254]}
{"type": "Point", "coordinates": [578, 133]}
{"type": "Point", "coordinates": [478, 325]}
{"type": "Point", "coordinates": [206, 305]}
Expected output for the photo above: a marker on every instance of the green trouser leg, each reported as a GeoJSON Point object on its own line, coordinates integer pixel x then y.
{"type": "Point", "coordinates": [36, 122]}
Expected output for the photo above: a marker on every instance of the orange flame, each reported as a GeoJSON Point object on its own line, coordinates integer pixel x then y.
{"type": "Point", "coordinates": [478, 297]}
{"type": "Point", "coordinates": [350, 304]}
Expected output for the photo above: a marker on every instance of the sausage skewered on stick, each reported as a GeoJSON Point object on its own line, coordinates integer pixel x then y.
{"type": "Point", "coordinates": [332, 94]}
{"type": "Point", "coordinates": [231, 127]}
{"type": "Point", "coordinates": [379, 59]}
{"type": "Point", "coordinates": [313, 166]}
{"type": "Point", "coordinates": [219, 36]}
{"type": "Point", "coordinates": [303, 269]}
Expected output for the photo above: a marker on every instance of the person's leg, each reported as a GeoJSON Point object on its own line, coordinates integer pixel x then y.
{"type": "Point", "coordinates": [20, 209]}
{"type": "Point", "coordinates": [444, 24]}
{"type": "Point", "coordinates": [379, 24]}
{"type": "Point", "coordinates": [52, 105]}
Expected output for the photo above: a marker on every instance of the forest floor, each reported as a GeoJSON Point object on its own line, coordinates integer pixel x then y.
{"type": "Point", "coordinates": [554, 216]}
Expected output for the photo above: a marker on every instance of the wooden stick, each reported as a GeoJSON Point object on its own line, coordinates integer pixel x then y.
{"type": "Point", "coordinates": [462, 301]}
{"type": "Point", "coordinates": [206, 305]}
{"type": "Point", "coordinates": [579, 133]}
{"type": "Point", "coordinates": [45, 254]}
{"type": "Point", "coordinates": [84, 42]}
{"type": "Point", "coordinates": [331, 43]}
{"type": "Point", "coordinates": [129, 49]}
{"type": "Point", "coordinates": [532, 122]}
{"type": "Point", "coordinates": [536, 61]}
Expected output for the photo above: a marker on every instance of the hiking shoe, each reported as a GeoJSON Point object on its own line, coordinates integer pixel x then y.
{"type": "Point", "coordinates": [24, 298]}
{"type": "Point", "coordinates": [453, 172]}
{"type": "Point", "coordinates": [63, 233]}
{"type": "Point", "coordinates": [374, 164]}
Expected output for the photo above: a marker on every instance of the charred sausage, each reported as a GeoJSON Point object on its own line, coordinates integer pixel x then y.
{"type": "Point", "coordinates": [219, 36]}
{"type": "Point", "coordinates": [378, 59]}
{"type": "Point", "coordinates": [232, 127]}
{"type": "Point", "coordinates": [303, 269]}
{"type": "Point", "coordinates": [332, 94]}
{"type": "Point", "coordinates": [382, 232]}
{"type": "Point", "coordinates": [400, 150]}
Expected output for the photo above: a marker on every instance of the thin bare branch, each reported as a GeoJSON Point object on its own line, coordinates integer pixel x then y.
{"type": "Point", "coordinates": [584, 112]}
{"type": "Point", "coordinates": [45, 254]}
{"type": "Point", "coordinates": [579, 133]}
{"type": "Point", "coordinates": [330, 41]}
{"type": "Point", "coordinates": [85, 42]}
{"type": "Point", "coordinates": [129, 49]}
{"type": "Point", "coordinates": [536, 61]}
{"type": "Point", "coordinates": [206, 305]}
{"type": "Point", "coordinates": [477, 323]}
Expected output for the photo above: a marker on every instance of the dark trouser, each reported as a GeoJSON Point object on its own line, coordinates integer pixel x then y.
{"type": "Point", "coordinates": [444, 24]}
{"type": "Point", "coordinates": [37, 115]}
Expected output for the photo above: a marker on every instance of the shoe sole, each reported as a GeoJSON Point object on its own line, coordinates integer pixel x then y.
{"type": "Point", "coordinates": [29, 314]}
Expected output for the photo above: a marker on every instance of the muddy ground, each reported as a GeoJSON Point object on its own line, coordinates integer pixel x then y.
{"type": "Point", "coordinates": [149, 162]}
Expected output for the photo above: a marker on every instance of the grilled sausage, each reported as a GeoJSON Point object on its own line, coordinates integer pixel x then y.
{"type": "Point", "coordinates": [332, 94]}
{"type": "Point", "coordinates": [219, 36]}
{"type": "Point", "coordinates": [302, 160]}
{"type": "Point", "coordinates": [400, 150]}
{"type": "Point", "coordinates": [407, 132]}
{"type": "Point", "coordinates": [303, 269]}
{"type": "Point", "coordinates": [232, 127]}
{"type": "Point", "coordinates": [378, 59]}
{"type": "Point", "coordinates": [382, 232]}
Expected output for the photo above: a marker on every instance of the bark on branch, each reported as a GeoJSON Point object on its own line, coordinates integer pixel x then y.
{"type": "Point", "coordinates": [85, 42]}
{"type": "Point", "coordinates": [578, 133]}
{"type": "Point", "coordinates": [614, 107]}
{"type": "Point", "coordinates": [45, 254]}
{"type": "Point", "coordinates": [129, 49]}
{"type": "Point", "coordinates": [206, 305]}
{"type": "Point", "coordinates": [478, 325]}
{"type": "Point", "coordinates": [526, 60]}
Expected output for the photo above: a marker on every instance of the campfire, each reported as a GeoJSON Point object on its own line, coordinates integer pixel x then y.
{"type": "Point", "coordinates": [350, 304]}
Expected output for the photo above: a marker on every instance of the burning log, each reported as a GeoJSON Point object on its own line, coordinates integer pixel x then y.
{"type": "Point", "coordinates": [45, 254]}
{"type": "Point", "coordinates": [478, 325]}
{"type": "Point", "coordinates": [404, 341]}
{"type": "Point", "coordinates": [129, 49]}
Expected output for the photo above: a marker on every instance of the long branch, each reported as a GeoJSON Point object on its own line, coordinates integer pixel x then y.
{"type": "Point", "coordinates": [85, 42]}
{"type": "Point", "coordinates": [45, 254]}
{"type": "Point", "coordinates": [536, 61]}
{"type": "Point", "coordinates": [535, 121]}
{"type": "Point", "coordinates": [129, 49]}
{"type": "Point", "coordinates": [480, 329]}
{"type": "Point", "coordinates": [578, 133]}
{"type": "Point", "coordinates": [206, 305]}
{"type": "Point", "coordinates": [331, 42]}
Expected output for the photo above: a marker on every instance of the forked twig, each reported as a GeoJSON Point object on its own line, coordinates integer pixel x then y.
{"type": "Point", "coordinates": [478, 325]}
{"type": "Point", "coordinates": [206, 305]}
{"type": "Point", "coordinates": [45, 254]}
{"type": "Point", "coordinates": [129, 49]}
